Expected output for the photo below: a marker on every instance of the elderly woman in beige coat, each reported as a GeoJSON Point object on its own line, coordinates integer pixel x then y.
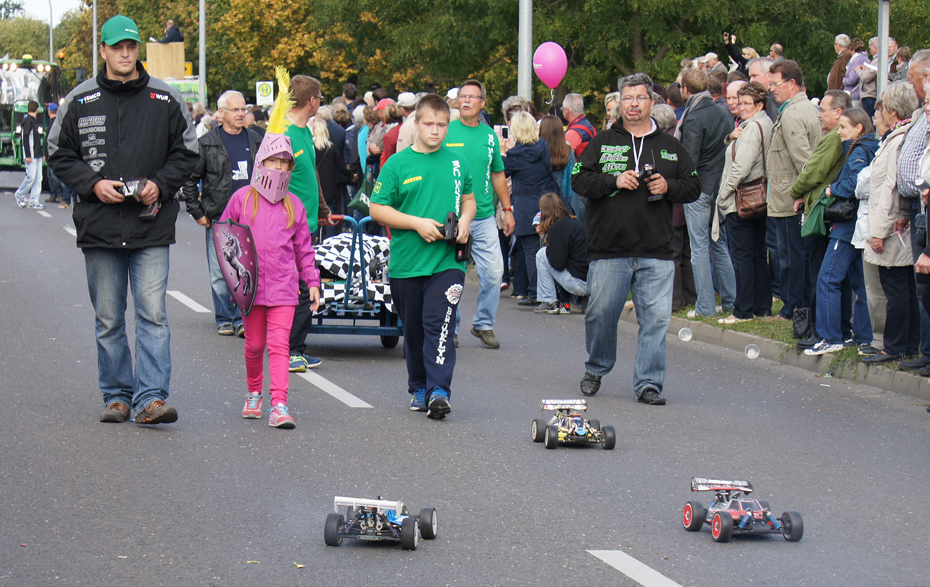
{"type": "Point", "coordinates": [890, 248]}
{"type": "Point", "coordinates": [744, 160]}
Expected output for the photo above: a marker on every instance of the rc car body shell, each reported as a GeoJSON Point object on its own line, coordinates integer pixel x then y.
{"type": "Point", "coordinates": [568, 426]}
{"type": "Point", "coordinates": [377, 519]}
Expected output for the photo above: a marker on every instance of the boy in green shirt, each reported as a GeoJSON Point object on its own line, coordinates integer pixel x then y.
{"type": "Point", "coordinates": [415, 191]}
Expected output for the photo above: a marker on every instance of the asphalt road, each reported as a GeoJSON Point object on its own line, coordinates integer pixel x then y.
{"type": "Point", "coordinates": [217, 500]}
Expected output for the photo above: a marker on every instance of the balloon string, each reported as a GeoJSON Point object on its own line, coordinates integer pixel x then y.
{"type": "Point", "coordinates": [551, 97]}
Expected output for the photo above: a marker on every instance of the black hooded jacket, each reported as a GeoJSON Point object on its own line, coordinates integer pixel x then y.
{"type": "Point", "coordinates": [122, 131]}
{"type": "Point", "coordinates": [624, 223]}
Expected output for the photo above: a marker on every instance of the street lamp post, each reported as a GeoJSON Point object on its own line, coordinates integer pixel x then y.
{"type": "Point", "coordinates": [93, 49]}
{"type": "Point", "coordinates": [51, 33]}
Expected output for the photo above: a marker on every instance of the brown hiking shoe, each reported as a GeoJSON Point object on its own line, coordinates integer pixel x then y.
{"type": "Point", "coordinates": [116, 413]}
{"type": "Point", "coordinates": [157, 412]}
{"type": "Point", "coordinates": [487, 337]}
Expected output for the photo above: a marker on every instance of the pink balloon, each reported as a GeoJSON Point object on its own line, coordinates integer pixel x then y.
{"type": "Point", "coordinates": [550, 63]}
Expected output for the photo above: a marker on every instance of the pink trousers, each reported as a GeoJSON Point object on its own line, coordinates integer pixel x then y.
{"type": "Point", "coordinates": [271, 326]}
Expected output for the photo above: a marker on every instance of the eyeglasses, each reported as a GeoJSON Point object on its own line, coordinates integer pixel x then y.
{"type": "Point", "coordinates": [631, 99]}
{"type": "Point", "coordinates": [777, 84]}
{"type": "Point", "coordinates": [469, 97]}
{"type": "Point", "coordinates": [236, 110]}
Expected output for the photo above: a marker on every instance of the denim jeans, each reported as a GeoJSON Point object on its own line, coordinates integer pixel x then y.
{"type": "Point", "coordinates": [224, 309]}
{"type": "Point", "coordinates": [489, 265]}
{"type": "Point", "coordinates": [792, 263]}
{"type": "Point", "coordinates": [747, 249]}
{"type": "Point", "coordinates": [841, 260]}
{"type": "Point", "coordinates": [609, 281]}
{"type": "Point", "coordinates": [54, 184]}
{"type": "Point", "coordinates": [709, 258]}
{"type": "Point", "coordinates": [924, 311]}
{"type": "Point", "coordinates": [31, 187]}
{"type": "Point", "coordinates": [109, 273]}
{"type": "Point", "coordinates": [547, 276]}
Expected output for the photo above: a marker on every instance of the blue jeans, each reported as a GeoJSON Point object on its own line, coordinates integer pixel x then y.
{"type": "Point", "coordinates": [924, 312]}
{"type": "Point", "coordinates": [224, 309]}
{"type": "Point", "coordinates": [792, 259]}
{"type": "Point", "coordinates": [109, 273]}
{"type": "Point", "coordinates": [609, 281]}
{"type": "Point", "coordinates": [709, 258]}
{"type": "Point", "coordinates": [841, 260]}
{"type": "Point", "coordinates": [31, 187]}
{"type": "Point", "coordinates": [547, 276]}
{"type": "Point", "coordinates": [489, 264]}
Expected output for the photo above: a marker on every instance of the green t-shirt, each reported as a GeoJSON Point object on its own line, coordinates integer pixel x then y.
{"type": "Point", "coordinates": [303, 179]}
{"type": "Point", "coordinates": [479, 144]}
{"type": "Point", "coordinates": [428, 185]}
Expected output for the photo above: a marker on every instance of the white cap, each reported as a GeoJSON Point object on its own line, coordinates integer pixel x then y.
{"type": "Point", "coordinates": [453, 94]}
{"type": "Point", "coordinates": [406, 100]}
{"type": "Point", "coordinates": [709, 56]}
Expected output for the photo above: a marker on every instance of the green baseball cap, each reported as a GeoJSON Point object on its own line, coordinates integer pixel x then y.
{"type": "Point", "coordinates": [119, 28]}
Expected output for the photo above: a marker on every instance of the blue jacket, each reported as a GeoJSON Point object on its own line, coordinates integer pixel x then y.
{"type": "Point", "coordinates": [844, 186]}
{"type": "Point", "coordinates": [529, 166]}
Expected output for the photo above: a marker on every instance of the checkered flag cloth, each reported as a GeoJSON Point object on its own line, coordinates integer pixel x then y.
{"type": "Point", "coordinates": [332, 255]}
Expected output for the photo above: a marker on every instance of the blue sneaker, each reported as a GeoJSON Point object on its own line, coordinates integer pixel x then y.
{"type": "Point", "coordinates": [21, 202]}
{"type": "Point", "coordinates": [36, 206]}
{"type": "Point", "coordinates": [439, 404]}
{"type": "Point", "coordinates": [312, 362]}
{"type": "Point", "coordinates": [418, 400]}
{"type": "Point", "coordinates": [298, 364]}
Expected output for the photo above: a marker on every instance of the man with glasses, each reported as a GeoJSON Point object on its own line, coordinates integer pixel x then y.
{"type": "Point", "coordinates": [479, 144]}
{"type": "Point", "coordinates": [818, 172]}
{"type": "Point", "coordinates": [305, 184]}
{"type": "Point", "coordinates": [794, 137]}
{"type": "Point", "coordinates": [226, 156]}
{"type": "Point", "coordinates": [630, 236]}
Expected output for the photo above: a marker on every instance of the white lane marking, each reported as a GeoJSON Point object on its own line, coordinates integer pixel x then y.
{"type": "Point", "coordinates": [334, 390]}
{"type": "Point", "coordinates": [44, 213]}
{"type": "Point", "coordinates": [70, 230]}
{"type": "Point", "coordinates": [188, 302]}
{"type": "Point", "coordinates": [632, 568]}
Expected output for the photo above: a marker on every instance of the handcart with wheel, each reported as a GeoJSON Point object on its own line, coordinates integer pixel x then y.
{"type": "Point", "coordinates": [363, 307]}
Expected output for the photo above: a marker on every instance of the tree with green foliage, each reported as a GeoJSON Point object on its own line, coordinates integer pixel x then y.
{"type": "Point", "coordinates": [10, 9]}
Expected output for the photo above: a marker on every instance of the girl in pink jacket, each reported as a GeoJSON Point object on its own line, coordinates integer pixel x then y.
{"type": "Point", "coordinates": [278, 221]}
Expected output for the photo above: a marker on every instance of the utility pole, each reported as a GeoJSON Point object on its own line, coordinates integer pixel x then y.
{"type": "Point", "coordinates": [202, 57]}
{"type": "Point", "coordinates": [525, 51]}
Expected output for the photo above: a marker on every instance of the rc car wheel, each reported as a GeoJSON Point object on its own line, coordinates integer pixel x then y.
{"type": "Point", "coordinates": [610, 437]}
{"type": "Point", "coordinates": [409, 534]}
{"type": "Point", "coordinates": [538, 430]}
{"type": "Point", "coordinates": [721, 527]}
{"type": "Point", "coordinates": [594, 424]}
{"type": "Point", "coordinates": [429, 523]}
{"type": "Point", "coordinates": [332, 532]}
{"type": "Point", "coordinates": [552, 436]}
{"type": "Point", "coordinates": [792, 526]}
{"type": "Point", "coordinates": [692, 517]}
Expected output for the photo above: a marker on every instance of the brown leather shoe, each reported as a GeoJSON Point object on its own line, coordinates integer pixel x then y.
{"type": "Point", "coordinates": [157, 412]}
{"type": "Point", "coordinates": [115, 413]}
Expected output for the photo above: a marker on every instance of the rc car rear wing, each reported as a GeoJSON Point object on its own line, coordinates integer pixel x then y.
{"type": "Point", "coordinates": [564, 404]}
{"type": "Point", "coordinates": [383, 506]}
{"type": "Point", "coordinates": [703, 484]}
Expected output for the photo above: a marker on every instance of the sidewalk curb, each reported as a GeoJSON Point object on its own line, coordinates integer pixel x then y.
{"type": "Point", "coordinates": [903, 382]}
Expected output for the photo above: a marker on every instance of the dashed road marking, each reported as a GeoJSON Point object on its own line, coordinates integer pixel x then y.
{"type": "Point", "coordinates": [44, 213]}
{"type": "Point", "coordinates": [632, 568]}
{"type": "Point", "coordinates": [334, 390]}
{"type": "Point", "coordinates": [188, 302]}
{"type": "Point", "coordinates": [70, 230]}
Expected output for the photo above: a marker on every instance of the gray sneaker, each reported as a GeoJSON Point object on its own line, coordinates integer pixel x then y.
{"type": "Point", "coordinates": [115, 413]}
{"type": "Point", "coordinates": [548, 308]}
{"type": "Point", "coordinates": [487, 338]}
{"type": "Point", "coordinates": [225, 329]}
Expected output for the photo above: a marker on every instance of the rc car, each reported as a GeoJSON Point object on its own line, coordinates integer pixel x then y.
{"type": "Point", "coordinates": [376, 519]}
{"type": "Point", "coordinates": [734, 512]}
{"type": "Point", "coordinates": [566, 426]}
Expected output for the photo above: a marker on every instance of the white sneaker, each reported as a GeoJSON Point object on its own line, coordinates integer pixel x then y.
{"type": "Point", "coordinates": [823, 347]}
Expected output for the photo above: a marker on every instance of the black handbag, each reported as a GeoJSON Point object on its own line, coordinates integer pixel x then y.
{"type": "Point", "coordinates": [840, 209]}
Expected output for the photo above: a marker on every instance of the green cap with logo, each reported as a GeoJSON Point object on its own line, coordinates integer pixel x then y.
{"type": "Point", "coordinates": [119, 28]}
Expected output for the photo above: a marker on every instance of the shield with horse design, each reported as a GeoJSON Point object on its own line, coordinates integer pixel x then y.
{"type": "Point", "coordinates": [235, 249]}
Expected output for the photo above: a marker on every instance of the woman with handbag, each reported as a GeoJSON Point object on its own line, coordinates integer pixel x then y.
{"type": "Point", "coordinates": [741, 201]}
{"type": "Point", "coordinates": [842, 259]}
{"type": "Point", "coordinates": [888, 247]}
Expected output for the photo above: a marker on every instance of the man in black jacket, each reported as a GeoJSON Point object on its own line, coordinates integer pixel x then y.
{"type": "Point", "coordinates": [116, 128]}
{"type": "Point", "coordinates": [31, 140]}
{"type": "Point", "coordinates": [173, 33]}
{"type": "Point", "coordinates": [629, 225]}
{"type": "Point", "coordinates": [704, 126]}
{"type": "Point", "coordinates": [226, 156]}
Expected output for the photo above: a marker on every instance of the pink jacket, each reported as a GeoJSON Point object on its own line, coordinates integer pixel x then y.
{"type": "Point", "coordinates": [282, 251]}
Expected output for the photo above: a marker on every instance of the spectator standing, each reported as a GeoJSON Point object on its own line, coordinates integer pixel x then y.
{"type": "Point", "coordinates": [393, 117]}
{"type": "Point", "coordinates": [733, 101]}
{"type": "Point", "coordinates": [868, 76]}
{"type": "Point", "coordinates": [479, 144]}
{"type": "Point", "coordinates": [55, 187]}
{"type": "Point", "coordinates": [629, 237]}
{"type": "Point", "coordinates": [563, 260]}
{"type": "Point", "coordinates": [173, 33]}
{"type": "Point", "coordinates": [407, 133]}
{"type": "Point", "coordinates": [851, 80]}
{"type": "Point", "coordinates": [330, 168]}
{"type": "Point", "coordinates": [562, 158]}
{"type": "Point", "coordinates": [760, 70]}
{"type": "Point", "coordinates": [155, 140]}
{"type": "Point", "coordinates": [838, 70]}
{"type": "Point", "coordinates": [31, 139]}
{"type": "Point", "coordinates": [794, 137]}
{"type": "Point", "coordinates": [746, 238]}
{"type": "Point", "coordinates": [226, 159]}
{"type": "Point", "coordinates": [702, 131]}
{"type": "Point", "coordinates": [580, 131]}
{"type": "Point", "coordinates": [528, 165]}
